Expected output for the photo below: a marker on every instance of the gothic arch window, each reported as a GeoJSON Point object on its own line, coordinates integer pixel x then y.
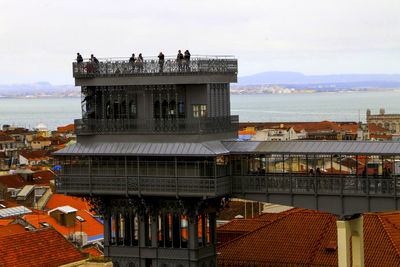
{"type": "Point", "coordinates": [172, 108]}
{"type": "Point", "coordinates": [181, 109]}
{"type": "Point", "coordinates": [157, 109]}
{"type": "Point", "coordinates": [108, 110]}
{"type": "Point", "coordinates": [164, 108]}
{"type": "Point", "coordinates": [132, 109]}
{"type": "Point", "coordinates": [123, 110]}
{"type": "Point", "coordinates": [117, 110]}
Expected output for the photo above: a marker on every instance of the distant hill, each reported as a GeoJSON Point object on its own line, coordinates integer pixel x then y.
{"type": "Point", "coordinates": [287, 77]}
{"type": "Point", "coordinates": [38, 89]}
{"type": "Point", "coordinates": [32, 87]}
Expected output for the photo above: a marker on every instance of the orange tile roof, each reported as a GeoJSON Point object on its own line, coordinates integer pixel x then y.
{"type": "Point", "coordinates": [91, 226]}
{"type": "Point", "coordinates": [58, 200]}
{"type": "Point", "coordinates": [305, 236]}
{"type": "Point", "coordinates": [11, 229]}
{"type": "Point", "coordinates": [93, 252]}
{"type": "Point", "coordinates": [4, 222]}
{"type": "Point", "coordinates": [5, 137]}
{"type": "Point", "coordinates": [299, 236]}
{"type": "Point", "coordinates": [382, 239]}
{"type": "Point", "coordinates": [69, 127]}
{"type": "Point", "coordinates": [35, 154]}
{"type": "Point", "coordinates": [16, 181]}
{"type": "Point", "coordinates": [241, 225]}
{"type": "Point", "coordinates": [43, 247]}
{"type": "Point", "coordinates": [12, 181]}
{"type": "Point", "coordinates": [238, 208]}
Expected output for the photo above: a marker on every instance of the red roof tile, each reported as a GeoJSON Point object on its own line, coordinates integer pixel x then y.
{"type": "Point", "coordinates": [304, 236]}
{"type": "Point", "coordinates": [12, 181]}
{"type": "Point", "coordinates": [69, 127]}
{"type": "Point", "coordinates": [35, 154]}
{"type": "Point", "coordinates": [299, 236]}
{"type": "Point", "coordinates": [43, 247]}
{"type": "Point", "coordinates": [58, 200]}
{"type": "Point", "coordinates": [11, 229]}
{"type": "Point", "coordinates": [5, 137]}
{"type": "Point", "coordinates": [93, 252]}
{"type": "Point", "coordinates": [90, 226]}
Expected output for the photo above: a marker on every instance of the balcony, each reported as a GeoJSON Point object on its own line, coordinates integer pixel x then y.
{"type": "Point", "coordinates": [156, 126]}
{"type": "Point", "coordinates": [151, 186]}
{"type": "Point", "coordinates": [116, 67]}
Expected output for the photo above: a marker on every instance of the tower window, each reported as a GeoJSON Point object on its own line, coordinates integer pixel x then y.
{"type": "Point", "coordinates": [199, 111]}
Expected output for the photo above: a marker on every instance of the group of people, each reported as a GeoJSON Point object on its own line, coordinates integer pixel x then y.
{"type": "Point", "coordinates": [92, 67]}
{"type": "Point", "coordinates": [183, 62]}
{"type": "Point", "coordinates": [136, 62]}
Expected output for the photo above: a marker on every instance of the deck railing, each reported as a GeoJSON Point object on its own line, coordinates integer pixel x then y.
{"type": "Point", "coordinates": [144, 126]}
{"type": "Point", "coordinates": [309, 184]}
{"type": "Point", "coordinates": [116, 67]}
{"type": "Point", "coordinates": [166, 186]}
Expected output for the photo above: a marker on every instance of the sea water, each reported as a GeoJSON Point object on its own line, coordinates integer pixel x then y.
{"type": "Point", "coordinates": [348, 106]}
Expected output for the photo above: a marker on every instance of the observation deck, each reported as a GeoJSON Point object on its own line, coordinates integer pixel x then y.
{"type": "Point", "coordinates": [119, 71]}
{"type": "Point", "coordinates": [156, 126]}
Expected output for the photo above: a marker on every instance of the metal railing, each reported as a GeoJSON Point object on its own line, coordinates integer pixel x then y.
{"type": "Point", "coordinates": [326, 184]}
{"type": "Point", "coordinates": [143, 185]}
{"type": "Point", "coordinates": [167, 125]}
{"type": "Point", "coordinates": [151, 66]}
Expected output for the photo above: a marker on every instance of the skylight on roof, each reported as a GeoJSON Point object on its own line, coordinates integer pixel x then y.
{"type": "Point", "coordinates": [15, 211]}
{"type": "Point", "coordinates": [79, 218]}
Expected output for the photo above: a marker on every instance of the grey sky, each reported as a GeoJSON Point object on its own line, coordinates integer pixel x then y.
{"type": "Point", "coordinates": [39, 39]}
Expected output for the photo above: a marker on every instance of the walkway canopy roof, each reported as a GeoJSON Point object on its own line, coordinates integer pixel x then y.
{"type": "Point", "coordinates": [216, 148]}
{"type": "Point", "coordinates": [314, 147]}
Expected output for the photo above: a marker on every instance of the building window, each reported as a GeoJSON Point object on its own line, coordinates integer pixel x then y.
{"type": "Point", "coordinates": [181, 109]}
{"type": "Point", "coordinates": [203, 111]}
{"type": "Point", "coordinates": [199, 111]}
{"type": "Point", "coordinates": [132, 109]}
{"type": "Point", "coordinates": [196, 113]}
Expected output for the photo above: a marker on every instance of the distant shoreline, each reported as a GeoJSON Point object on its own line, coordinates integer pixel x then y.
{"type": "Point", "coordinates": [236, 91]}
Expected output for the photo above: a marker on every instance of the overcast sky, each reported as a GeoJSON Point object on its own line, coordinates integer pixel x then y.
{"type": "Point", "coordinates": [39, 39]}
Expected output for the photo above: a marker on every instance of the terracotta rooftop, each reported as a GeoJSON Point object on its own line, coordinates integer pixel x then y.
{"type": "Point", "coordinates": [16, 181]}
{"type": "Point", "coordinates": [305, 236]}
{"type": "Point", "coordinates": [91, 226]}
{"type": "Point", "coordinates": [235, 208]}
{"type": "Point", "coordinates": [44, 247]}
{"type": "Point", "coordinates": [35, 154]}
{"type": "Point", "coordinates": [93, 252]}
{"type": "Point", "coordinates": [299, 236]}
{"type": "Point", "coordinates": [12, 181]}
{"type": "Point", "coordinates": [5, 137]}
{"type": "Point", "coordinates": [11, 229]}
{"type": "Point", "coordinates": [58, 200]}
{"type": "Point", "coordinates": [17, 131]}
{"type": "Point", "coordinates": [69, 127]}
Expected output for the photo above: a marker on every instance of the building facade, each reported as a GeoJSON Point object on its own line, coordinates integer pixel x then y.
{"type": "Point", "coordinates": [166, 120]}
{"type": "Point", "coordinates": [388, 121]}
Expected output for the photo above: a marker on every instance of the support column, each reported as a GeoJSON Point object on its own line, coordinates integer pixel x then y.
{"type": "Point", "coordinates": [154, 231]}
{"type": "Point", "coordinates": [107, 233]}
{"type": "Point", "coordinates": [142, 232]}
{"type": "Point", "coordinates": [193, 241]}
{"type": "Point", "coordinates": [213, 228]}
{"type": "Point", "coordinates": [350, 228]}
